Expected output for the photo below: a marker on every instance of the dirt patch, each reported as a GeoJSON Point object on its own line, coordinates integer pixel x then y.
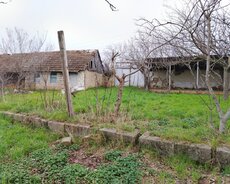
{"type": "Point", "coordinates": [80, 157]}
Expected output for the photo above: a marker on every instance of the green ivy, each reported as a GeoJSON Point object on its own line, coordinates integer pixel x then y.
{"type": "Point", "coordinates": [112, 155]}
{"type": "Point", "coordinates": [125, 170]}
{"type": "Point", "coordinates": [52, 166]}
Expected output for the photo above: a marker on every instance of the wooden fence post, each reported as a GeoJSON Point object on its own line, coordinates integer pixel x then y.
{"type": "Point", "coordinates": [65, 72]}
{"type": "Point", "coordinates": [170, 77]}
{"type": "Point", "coordinates": [197, 75]}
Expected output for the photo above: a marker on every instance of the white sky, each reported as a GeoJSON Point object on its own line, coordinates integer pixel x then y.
{"type": "Point", "coordinates": [88, 24]}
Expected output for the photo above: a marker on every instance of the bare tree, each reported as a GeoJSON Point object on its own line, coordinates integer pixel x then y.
{"type": "Point", "coordinates": [112, 7]}
{"type": "Point", "coordinates": [19, 43]}
{"type": "Point", "coordinates": [113, 54]}
{"type": "Point", "coordinates": [139, 50]}
{"type": "Point", "coordinates": [208, 10]}
{"type": "Point", "coordinates": [4, 80]}
{"type": "Point", "coordinates": [207, 32]}
{"type": "Point", "coordinates": [201, 29]}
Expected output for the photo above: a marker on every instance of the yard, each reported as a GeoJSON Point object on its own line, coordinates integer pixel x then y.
{"type": "Point", "coordinates": [184, 117]}
{"type": "Point", "coordinates": [37, 159]}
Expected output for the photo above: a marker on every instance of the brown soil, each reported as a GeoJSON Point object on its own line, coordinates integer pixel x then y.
{"type": "Point", "coordinates": [91, 161]}
{"type": "Point", "coordinates": [94, 158]}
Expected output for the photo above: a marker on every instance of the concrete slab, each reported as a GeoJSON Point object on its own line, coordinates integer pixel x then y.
{"type": "Point", "coordinates": [223, 156]}
{"type": "Point", "coordinates": [77, 130]}
{"type": "Point", "coordinates": [57, 127]}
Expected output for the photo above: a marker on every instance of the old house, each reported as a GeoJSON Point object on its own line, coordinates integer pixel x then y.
{"type": "Point", "coordinates": [44, 69]}
{"type": "Point", "coordinates": [176, 72]}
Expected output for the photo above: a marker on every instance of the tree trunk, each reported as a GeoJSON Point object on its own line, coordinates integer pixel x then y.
{"type": "Point", "coordinates": [146, 82]}
{"type": "Point", "coordinates": [226, 83]}
{"type": "Point", "coordinates": [223, 122]}
{"type": "Point", "coordinates": [119, 96]}
{"type": "Point", "coordinates": [223, 117]}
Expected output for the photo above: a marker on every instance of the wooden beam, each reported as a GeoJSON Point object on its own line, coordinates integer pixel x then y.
{"type": "Point", "coordinates": [170, 77]}
{"type": "Point", "coordinates": [197, 75]}
{"type": "Point", "coordinates": [65, 72]}
{"type": "Point", "coordinates": [129, 76]}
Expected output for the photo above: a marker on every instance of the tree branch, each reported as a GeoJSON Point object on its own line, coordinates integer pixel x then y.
{"type": "Point", "coordinates": [112, 7]}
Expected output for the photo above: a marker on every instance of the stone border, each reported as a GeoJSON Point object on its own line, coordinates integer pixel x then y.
{"type": "Point", "coordinates": [77, 130]}
{"type": "Point", "coordinates": [124, 137]}
{"type": "Point", "coordinates": [223, 156]}
{"type": "Point", "coordinates": [58, 127]}
{"type": "Point", "coordinates": [198, 152]}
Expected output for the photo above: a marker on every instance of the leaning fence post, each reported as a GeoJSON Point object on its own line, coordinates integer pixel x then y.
{"type": "Point", "coordinates": [65, 71]}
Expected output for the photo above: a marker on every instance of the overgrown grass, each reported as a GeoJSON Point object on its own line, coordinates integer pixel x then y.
{"type": "Point", "coordinates": [39, 162]}
{"type": "Point", "coordinates": [18, 141]}
{"type": "Point", "coordinates": [172, 116]}
{"type": "Point", "coordinates": [181, 169]}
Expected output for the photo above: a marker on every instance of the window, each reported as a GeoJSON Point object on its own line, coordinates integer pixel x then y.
{"type": "Point", "coordinates": [53, 77]}
{"type": "Point", "coordinates": [37, 78]}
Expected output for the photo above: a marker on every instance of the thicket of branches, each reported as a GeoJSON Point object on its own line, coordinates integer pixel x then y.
{"type": "Point", "coordinates": [200, 28]}
{"type": "Point", "coordinates": [19, 43]}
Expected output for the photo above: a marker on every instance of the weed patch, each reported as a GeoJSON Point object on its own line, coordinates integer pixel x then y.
{"type": "Point", "coordinates": [51, 165]}
{"type": "Point", "coordinates": [226, 171]}
{"type": "Point", "coordinates": [121, 170]}
{"type": "Point", "coordinates": [113, 155]}
{"type": "Point", "coordinates": [173, 116]}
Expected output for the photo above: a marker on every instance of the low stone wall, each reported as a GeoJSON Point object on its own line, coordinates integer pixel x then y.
{"type": "Point", "coordinates": [124, 137]}
{"type": "Point", "coordinates": [223, 156]}
{"type": "Point", "coordinates": [78, 130]}
{"type": "Point", "coordinates": [58, 127]}
{"type": "Point", "coordinates": [198, 152]}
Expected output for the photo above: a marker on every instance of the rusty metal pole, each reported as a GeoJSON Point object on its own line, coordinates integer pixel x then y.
{"type": "Point", "coordinates": [65, 72]}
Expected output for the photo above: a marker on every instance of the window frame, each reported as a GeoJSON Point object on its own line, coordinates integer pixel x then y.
{"type": "Point", "coordinates": [53, 77]}
{"type": "Point", "coordinates": [37, 77]}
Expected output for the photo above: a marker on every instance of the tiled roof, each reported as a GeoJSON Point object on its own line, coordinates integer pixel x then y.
{"type": "Point", "coordinates": [78, 60]}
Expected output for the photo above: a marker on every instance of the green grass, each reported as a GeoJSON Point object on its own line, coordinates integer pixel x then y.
{"type": "Point", "coordinates": [18, 141]}
{"type": "Point", "coordinates": [172, 116]}
{"type": "Point", "coordinates": [27, 156]}
{"type": "Point", "coordinates": [180, 167]}
{"type": "Point", "coordinates": [226, 170]}
{"type": "Point", "coordinates": [184, 167]}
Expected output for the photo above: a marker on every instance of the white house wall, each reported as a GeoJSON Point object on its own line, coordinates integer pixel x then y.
{"type": "Point", "coordinates": [45, 81]}
{"type": "Point", "coordinates": [136, 79]}
{"type": "Point", "coordinates": [77, 80]}
{"type": "Point", "coordinates": [185, 80]}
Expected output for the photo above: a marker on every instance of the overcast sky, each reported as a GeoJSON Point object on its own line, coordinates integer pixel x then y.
{"type": "Point", "coordinates": [88, 24]}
